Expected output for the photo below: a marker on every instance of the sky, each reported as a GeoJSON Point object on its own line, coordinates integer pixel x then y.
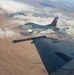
{"type": "Point", "coordinates": [67, 1]}
{"type": "Point", "coordinates": [70, 2]}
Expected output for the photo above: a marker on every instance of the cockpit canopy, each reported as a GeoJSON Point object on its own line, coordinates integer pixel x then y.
{"type": "Point", "coordinates": [29, 23]}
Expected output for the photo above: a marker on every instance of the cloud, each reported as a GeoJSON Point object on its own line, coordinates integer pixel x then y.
{"type": "Point", "coordinates": [68, 5]}
{"type": "Point", "coordinates": [63, 22]}
{"type": "Point", "coordinates": [20, 19]}
{"type": "Point", "coordinates": [11, 6]}
{"type": "Point", "coordinates": [7, 33]}
{"type": "Point", "coordinates": [36, 15]}
{"type": "Point", "coordinates": [54, 0]}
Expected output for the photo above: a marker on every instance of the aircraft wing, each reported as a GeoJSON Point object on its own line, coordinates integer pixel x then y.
{"type": "Point", "coordinates": [57, 55]}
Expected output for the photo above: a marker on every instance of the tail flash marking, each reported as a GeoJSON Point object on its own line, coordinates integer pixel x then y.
{"type": "Point", "coordinates": [54, 22]}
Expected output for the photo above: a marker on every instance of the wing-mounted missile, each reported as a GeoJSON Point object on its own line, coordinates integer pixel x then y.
{"type": "Point", "coordinates": [21, 40]}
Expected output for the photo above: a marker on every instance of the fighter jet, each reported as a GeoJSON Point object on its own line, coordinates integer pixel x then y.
{"type": "Point", "coordinates": [36, 28]}
{"type": "Point", "coordinates": [57, 55]}
{"type": "Point", "coordinates": [44, 29]}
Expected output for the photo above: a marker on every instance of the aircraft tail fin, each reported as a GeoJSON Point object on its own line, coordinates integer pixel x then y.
{"type": "Point", "coordinates": [54, 22]}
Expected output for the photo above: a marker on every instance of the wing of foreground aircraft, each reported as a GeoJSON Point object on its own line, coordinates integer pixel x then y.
{"type": "Point", "coordinates": [57, 55]}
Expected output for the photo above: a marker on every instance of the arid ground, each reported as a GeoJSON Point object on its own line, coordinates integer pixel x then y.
{"type": "Point", "coordinates": [18, 58]}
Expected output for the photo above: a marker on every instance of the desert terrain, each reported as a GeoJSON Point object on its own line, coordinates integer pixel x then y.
{"type": "Point", "coordinates": [20, 58]}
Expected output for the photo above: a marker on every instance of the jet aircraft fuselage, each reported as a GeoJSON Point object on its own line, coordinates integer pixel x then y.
{"type": "Point", "coordinates": [36, 28]}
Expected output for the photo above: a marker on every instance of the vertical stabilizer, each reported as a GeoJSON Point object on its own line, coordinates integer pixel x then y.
{"type": "Point", "coordinates": [54, 22]}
